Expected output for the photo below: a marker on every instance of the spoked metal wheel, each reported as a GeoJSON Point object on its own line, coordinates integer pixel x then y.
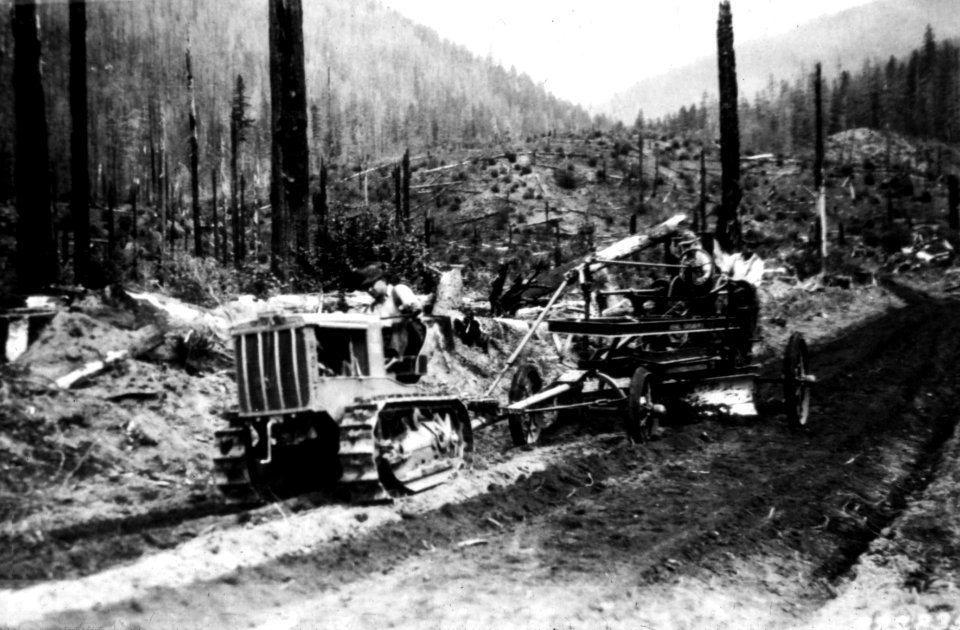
{"type": "Point", "coordinates": [525, 426]}
{"type": "Point", "coordinates": [796, 381]}
{"type": "Point", "coordinates": [642, 418]}
{"type": "Point", "coordinates": [608, 392]}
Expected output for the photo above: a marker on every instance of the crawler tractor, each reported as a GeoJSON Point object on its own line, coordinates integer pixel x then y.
{"type": "Point", "coordinates": [325, 401]}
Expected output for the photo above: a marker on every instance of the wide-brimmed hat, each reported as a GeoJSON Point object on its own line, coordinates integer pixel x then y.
{"type": "Point", "coordinates": [368, 275]}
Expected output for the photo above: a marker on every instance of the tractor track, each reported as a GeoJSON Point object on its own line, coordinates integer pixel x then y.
{"type": "Point", "coordinates": [756, 507]}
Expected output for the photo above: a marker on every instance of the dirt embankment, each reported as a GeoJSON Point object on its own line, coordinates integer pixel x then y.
{"type": "Point", "coordinates": [718, 524]}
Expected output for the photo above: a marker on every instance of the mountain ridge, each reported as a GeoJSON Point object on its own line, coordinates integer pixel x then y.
{"type": "Point", "coordinates": [846, 39]}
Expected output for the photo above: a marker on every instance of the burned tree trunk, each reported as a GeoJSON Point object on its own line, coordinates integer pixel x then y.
{"type": "Point", "coordinates": [238, 126]}
{"type": "Point", "coordinates": [321, 207]}
{"type": "Point", "coordinates": [289, 186]}
{"type": "Point", "coordinates": [398, 198]}
{"type": "Point", "coordinates": [164, 186]}
{"type": "Point", "coordinates": [242, 211]}
{"type": "Point", "coordinates": [818, 167]}
{"type": "Point", "coordinates": [953, 201]}
{"type": "Point", "coordinates": [405, 186]}
{"type": "Point", "coordinates": [728, 220]}
{"type": "Point", "coordinates": [194, 162]}
{"type": "Point", "coordinates": [36, 248]}
{"type": "Point", "coordinates": [79, 160]}
{"type": "Point", "coordinates": [702, 207]}
{"type": "Point", "coordinates": [111, 219]}
{"type": "Point", "coordinates": [640, 156]}
{"type": "Point", "coordinates": [135, 229]}
{"type": "Point", "coordinates": [818, 124]}
{"type": "Point", "coordinates": [217, 251]}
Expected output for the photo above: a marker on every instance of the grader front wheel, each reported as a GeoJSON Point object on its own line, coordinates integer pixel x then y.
{"type": "Point", "coordinates": [525, 426]}
{"type": "Point", "coordinates": [796, 385]}
{"type": "Point", "coordinates": [641, 415]}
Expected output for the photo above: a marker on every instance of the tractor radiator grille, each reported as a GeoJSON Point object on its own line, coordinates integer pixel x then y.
{"type": "Point", "coordinates": [273, 370]}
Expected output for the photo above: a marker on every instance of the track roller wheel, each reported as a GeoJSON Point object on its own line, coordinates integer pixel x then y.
{"type": "Point", "coordinates": [796, 381]}
{"type": "Point", "coordinates": [642, 410]}
{"type": "Point", "coordinates": [525, 427]}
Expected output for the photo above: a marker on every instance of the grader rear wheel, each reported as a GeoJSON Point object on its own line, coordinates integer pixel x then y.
{"type": "Point", "coordinates": [796, 388]}
{"type": "Point", "coordinates": [641, 417]}
{"type": "Point", "coordinates": [525, 427]}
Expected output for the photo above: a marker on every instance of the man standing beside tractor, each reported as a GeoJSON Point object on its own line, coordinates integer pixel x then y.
{"type": "Point", "coordinates": [397, 304]}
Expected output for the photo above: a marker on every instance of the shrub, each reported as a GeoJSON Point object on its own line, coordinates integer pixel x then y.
{"type": "Point", "coordinates": [895, 239]}
{"type": "Point", "coordinates": [565, 178]}
{"type": "Point", "coordinates": [199, 280]}
{"type": "Point", "coordinates": [352, 242]}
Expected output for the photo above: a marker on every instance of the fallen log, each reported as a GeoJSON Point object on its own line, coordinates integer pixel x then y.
{"type": "Point", "coordinates": [148, 338]}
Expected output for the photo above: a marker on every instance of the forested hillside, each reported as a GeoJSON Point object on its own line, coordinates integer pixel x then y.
{"type": "Point", "coordinates": [841, 42]}
{"type": "Point", "coordinates": [916, 95]}
{"type": "Point", "coordinates": [377, 84]}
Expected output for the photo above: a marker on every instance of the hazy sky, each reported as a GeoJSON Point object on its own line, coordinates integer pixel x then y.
{"type": "Point", "coordinates": [587, 50]}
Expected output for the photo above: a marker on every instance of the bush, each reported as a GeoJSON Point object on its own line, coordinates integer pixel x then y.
{"type": "Point", "coordinates": [565, 179]}
{"type": "Point", "coordinates": [199, 281]}
{"type": "Point", "coordinates": [895, 239]}
{"type": "Point", "coordinates": [354, 241]}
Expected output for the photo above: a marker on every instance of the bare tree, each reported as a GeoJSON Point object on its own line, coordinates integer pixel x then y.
{"type": "Point", "coordinates": [194, 161]}
{"type": "Point", "coordinates": [818, 128]}
{"type": "Point", "coordinates": [289, 186]}
{"type": "Point", "coordinates": [238, 128]}
{"type": "Point", "coordinates": [818, 167]}
{"type": "Point", "coordinates": [79, 159]}
{"type": "Point", "coordinates": [728, 220]}
{"type": "Point", "coordinates": [36, 248]}
{"type": "Point", "coordinates": [953, 201]}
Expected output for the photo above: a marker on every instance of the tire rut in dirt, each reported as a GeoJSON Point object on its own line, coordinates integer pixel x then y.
{"type": "Point", "coordinates": [918, 367]}
{"type": "Point", "coordinates": [91, 546]}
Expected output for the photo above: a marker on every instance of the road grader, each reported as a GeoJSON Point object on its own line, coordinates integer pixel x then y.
{"type": "Point", "coordinates": [324, 400]}
{"type": "Point", "coordinates": [683, 344]}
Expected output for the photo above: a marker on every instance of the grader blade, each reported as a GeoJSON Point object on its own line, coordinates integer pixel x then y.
{"type": "Point", "coordinates": [730, 395]}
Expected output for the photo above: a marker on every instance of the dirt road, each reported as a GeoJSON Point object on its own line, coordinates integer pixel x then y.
{"type": "Point", "coordinates": [718, 524]}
